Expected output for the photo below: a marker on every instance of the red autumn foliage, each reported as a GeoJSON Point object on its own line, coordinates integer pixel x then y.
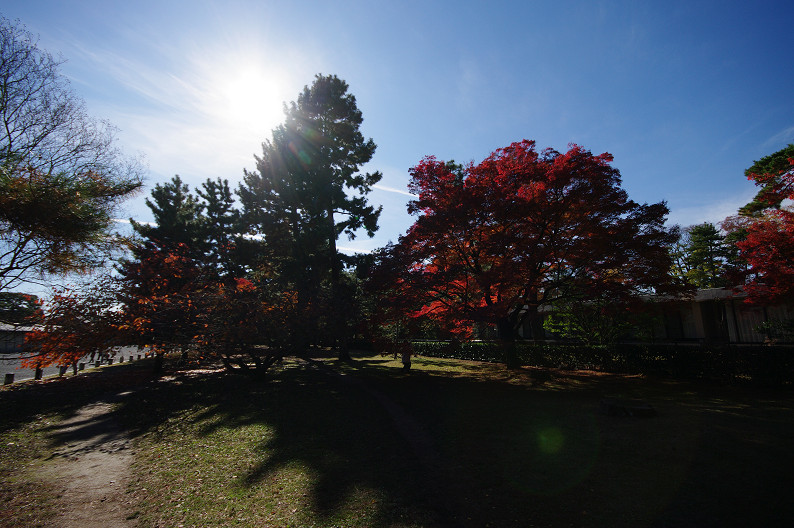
{"type": "Point", "coordinates": [161, 290]}
{"type": "Point", "coordinates": [767, 244]}
{"type": "Point", "coordinates": [776, 186]}
{"type": "Point", "coordinates": [241, 324]}
{"type": "Point", "coordinates": [75, 324]}
{"type": "Point", "coordinates": [494, 241]}
{"type": "Point", "coordinates": [769, 250]}
{"type": "Point", "coordinates": [171, 304]}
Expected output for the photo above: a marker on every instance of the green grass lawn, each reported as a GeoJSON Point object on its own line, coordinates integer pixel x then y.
{"type": "Point", "coordinates": [451, 443]}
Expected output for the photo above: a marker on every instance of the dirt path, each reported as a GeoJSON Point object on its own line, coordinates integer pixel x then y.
{"type": "Point", "coordinates": [90, 468]}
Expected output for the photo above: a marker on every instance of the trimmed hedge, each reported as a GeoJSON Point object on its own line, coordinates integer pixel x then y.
{"type": "Point", "coordinates": [766, 365]}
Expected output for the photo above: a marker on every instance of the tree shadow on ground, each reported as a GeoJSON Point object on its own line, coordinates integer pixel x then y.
{"type": "Point", "coordinates": [340, 437]}
{"type": "Point", "coordinates": [546, 452]}
{"type": "Point", "coordinates": [29, 401]}
{"type": "Point", "coordinates": [541, 378]}
{"type": "Point", "coordinates": [504, 454]}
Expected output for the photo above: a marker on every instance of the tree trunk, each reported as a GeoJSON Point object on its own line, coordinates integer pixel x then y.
{"type": "Point", "coordinates": [226, 363]}
{"type": "Point", "coordinates": [337, 314]}
{"type": "Point", "coordinates": [406, 359]}
{"type": "Point", "coordinates": [507, 337]}
{"type": "Point", "coordinates": [158, 364]}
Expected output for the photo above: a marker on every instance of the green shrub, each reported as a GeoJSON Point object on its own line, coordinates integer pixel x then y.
{"type": "Point", "coordinates": [766, 365]}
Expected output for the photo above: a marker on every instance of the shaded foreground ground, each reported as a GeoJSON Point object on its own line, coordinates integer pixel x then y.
{"type": "Point", "coordinates": [449, 444]}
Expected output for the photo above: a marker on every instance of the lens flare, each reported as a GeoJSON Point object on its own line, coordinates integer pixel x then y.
{"type": "Point", "coordinates": [551, 440]}
{"type": "Point", "coordinates": [559, 454]}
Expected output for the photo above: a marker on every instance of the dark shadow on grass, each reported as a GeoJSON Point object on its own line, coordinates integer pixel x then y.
{"type": "Point", "coordinates": [83, 436]}
{"type": "Point", "coordinates": [341, 436]}
{"type": "Point", "coordinates": [29, 401]}
{"type": "Point", "coordinates": [508, 453]}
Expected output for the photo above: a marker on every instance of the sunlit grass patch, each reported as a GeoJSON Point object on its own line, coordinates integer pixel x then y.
{"type": "Point", "coordinates": [204, 481]}
{"type": "Point", "coordinates": [25, 500]}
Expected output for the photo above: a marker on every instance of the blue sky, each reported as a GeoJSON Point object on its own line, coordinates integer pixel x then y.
{"type": "Point", "coordinates": [685, 95]}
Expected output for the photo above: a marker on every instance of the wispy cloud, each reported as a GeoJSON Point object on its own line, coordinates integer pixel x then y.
{"type": "Point", "coordinates": [714, 212]}
{"type": "Point", "coordinates": [200, 111]}
{"type": "Point", "coordinates": [393, 190]}
{"type": "Point", "coordinates": [126, 221]}
{"type": "Point", "coordinates": [469, 80]}
{"type": "Point", "coordinates": [784, 136]}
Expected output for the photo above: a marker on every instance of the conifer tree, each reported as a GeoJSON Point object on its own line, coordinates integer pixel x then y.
{"type": "Point", "coordinates": [307, 190]}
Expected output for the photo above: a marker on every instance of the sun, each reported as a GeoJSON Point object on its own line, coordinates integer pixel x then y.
{"type": "Point", "coordinates": [241, 95]}
{"type": "Point", "coordinates": [250, 99]}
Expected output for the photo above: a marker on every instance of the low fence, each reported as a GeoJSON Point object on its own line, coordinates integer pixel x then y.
{"type": "Point", "coordinates": [11, 369]}
{"type": "Point", "coordinates": [766, 365]}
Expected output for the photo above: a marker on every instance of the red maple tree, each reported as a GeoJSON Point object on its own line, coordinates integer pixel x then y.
{"type": "Point", "coordinates": [766, 243]}
{"type": "Point", "coordinates": [246, 326]}
{"type": "Point", "coordinates": [172, 305]}
{"type": "Point", "coordinates": [495, 241]}
{"type": "Point", "coordinates": [76, 323]}
{"type": "Point", "coordinates": [160, 291]}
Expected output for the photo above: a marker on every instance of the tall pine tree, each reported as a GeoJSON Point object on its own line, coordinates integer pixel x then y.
{"type": "Point", "coordinates": [177, 217]}
{"type": "Point", "coordinates": [221, 229]}
{"type": "Point", "coordinates": [771, 174]}
{"type": "Point", "coordinates": [703, 257]}
{"type": "Point", "coordinates": [307, 190]}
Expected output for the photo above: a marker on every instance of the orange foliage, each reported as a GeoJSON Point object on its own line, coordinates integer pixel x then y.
{"type": "Point", "coordinates": [75, 324]}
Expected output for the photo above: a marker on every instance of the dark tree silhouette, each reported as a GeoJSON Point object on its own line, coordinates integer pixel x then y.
{"type": "Point", "coordinates": [307, 190]}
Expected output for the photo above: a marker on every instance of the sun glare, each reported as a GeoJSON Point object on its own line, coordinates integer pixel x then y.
{"type": "Point", "coordinates": [251, 100]}
{"type": "Point", "coordinates": [243, 96]}
{"type": "Point", "coordinates": [235, 97]}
